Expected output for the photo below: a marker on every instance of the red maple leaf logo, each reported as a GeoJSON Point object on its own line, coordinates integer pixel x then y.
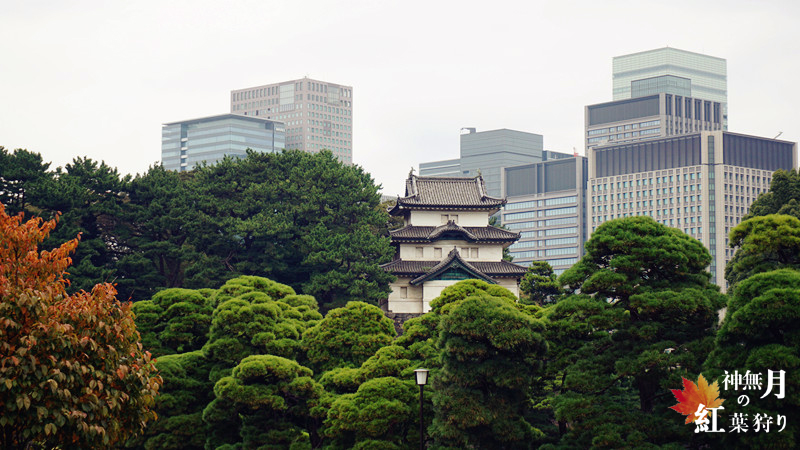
{"type": "Point", "coordinates": [692, 395]}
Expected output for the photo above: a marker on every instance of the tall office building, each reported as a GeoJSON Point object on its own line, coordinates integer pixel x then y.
{"type": "Point", "coordinates": [487, 153]}
{"type": "Point", "coordinates": [672, 71]}
{"type": "Point", "coordinates": [444, 168]}
{"type": "Point", "coordinates": [318, 114]}
{"type": "Point", "coordinates": [701, 183]}
{"type": "Point", "coordinates": [649, 117]}
{"type": "Point", "coordinates": [187, 143]}
{"type": "Point", "coordinates": [546, 204]}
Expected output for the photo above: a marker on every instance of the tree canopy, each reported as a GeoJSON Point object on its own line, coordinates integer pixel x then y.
{"type": "Point", "coordinates": [347, 336]}
{"type": "Point", "coordinates": [491, 352]}
{"type": "Point", "coordinates": [763, 243]}
{"type": "Point", "coordinates": [646, 314]}
{"type": "Point", "coordinates": [539, 285]}
{"type": "Point", "coordinates": [760, 334]}
{"type": "Point", "coordinates": [72, 371]}
{"type": "Point", "coordinates": [306, 219]}
{"type": "Point", "coordinates": [783, 196]}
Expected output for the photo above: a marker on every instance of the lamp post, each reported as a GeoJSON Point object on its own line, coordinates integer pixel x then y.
{"type": "Point", "coordinates": [422, 379]}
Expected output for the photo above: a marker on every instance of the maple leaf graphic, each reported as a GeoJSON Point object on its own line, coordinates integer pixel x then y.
{"type": "Point", "coordinates": [693, 395]}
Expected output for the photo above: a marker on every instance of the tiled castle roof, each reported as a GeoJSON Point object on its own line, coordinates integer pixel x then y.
{"type": "Point", "coordinates": [473, 234]}
{"type": "Point", "coordinates": [446, 192]}
{"type": "Point", "coordinates": [493, 269]}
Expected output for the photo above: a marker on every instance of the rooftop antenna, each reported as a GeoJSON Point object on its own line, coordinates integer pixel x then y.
{"type": "Point", "coordinates": [471, 130]}
{"type": "Point", "coordinates": [776, 137]}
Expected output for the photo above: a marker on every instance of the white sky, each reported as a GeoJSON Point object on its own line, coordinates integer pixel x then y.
{"type": "Point", "coordinates": [98, 78]}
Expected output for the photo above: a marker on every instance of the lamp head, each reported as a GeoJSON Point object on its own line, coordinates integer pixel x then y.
{"type": "Point", "coordinates": [421, 376]}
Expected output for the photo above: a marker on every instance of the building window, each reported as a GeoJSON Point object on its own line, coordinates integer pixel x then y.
{"type": "Point", "coordinates": [404, 292]}
{"type": "Point", "coordinates": [437, 252]}
{"type": "Point", "coordinates": [418, 252]}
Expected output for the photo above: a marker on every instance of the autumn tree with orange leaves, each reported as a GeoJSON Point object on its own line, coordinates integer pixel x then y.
{"type": "Point", "coordinates": [72, 371]}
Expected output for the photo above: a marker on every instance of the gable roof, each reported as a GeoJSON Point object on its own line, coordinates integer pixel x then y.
{"type": "Point", "coordinates": [453, 260]}
{"type": "Point", "coordinates": [411, 233]}
{"type": "Point", "coordinates": [448, 193]}
{"type": "Point", "coordinates": [494, 269]}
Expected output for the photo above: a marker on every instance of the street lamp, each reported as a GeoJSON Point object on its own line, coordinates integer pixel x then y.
{"type": "Point", "coordinates": [421, 376]}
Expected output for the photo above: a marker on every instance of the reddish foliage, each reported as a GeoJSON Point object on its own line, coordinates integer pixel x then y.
{"type": "Point", "coordinates": [72, 370]}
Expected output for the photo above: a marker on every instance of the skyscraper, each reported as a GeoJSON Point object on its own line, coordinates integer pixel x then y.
{"type": "Point", "coordinates": [672, 71]}
{"type": "Point", "coordinates": [546, 205]}
{"type": "Point", "coordinates": [649, 117]}
{"type": "Point", "coordinates": [318, 114]}
{"type": "Point", "coordinates": [701, 183]}
{"type": "Point", "coordinates": [488, 152]}
{"type": "Point", "coordinates": [187, 143]}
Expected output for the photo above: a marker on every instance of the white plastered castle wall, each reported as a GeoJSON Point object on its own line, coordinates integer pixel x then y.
{"type": "Point", "coordinates": [406, 298]}
{"type": "Point", "coordinates": [485, 252]}
{"type": "Point", "coordinates": [434, 218]}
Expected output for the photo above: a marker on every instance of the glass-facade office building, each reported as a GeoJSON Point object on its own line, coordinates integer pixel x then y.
{"type": "Point", "coordinates": [187, 143]}
{"type": "Point", "coordinates": [546, 205]}
{"type": "Point", "coordinates": [672, 71]}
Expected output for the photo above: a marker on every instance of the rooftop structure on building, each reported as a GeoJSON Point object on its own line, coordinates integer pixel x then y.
{"type": "Point", "coordinates": [486, 153]}
{"type": "Point", "coordinates": [187, 143]}
{"type": "Point", "coordinates": [546, 205]}
{"type": "Point", "coordinates": [649, 117]}
{"type": "Point", "coordinates": [446, 238]}
{"type": "Point", "coordinates": [318, 114]}
{"type": "Point", "coordinates": [672, 71]}
{"type": "Point", "coordinates": [701, 183]}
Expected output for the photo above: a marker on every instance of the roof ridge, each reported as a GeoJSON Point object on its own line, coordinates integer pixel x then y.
{"type": "Point", "coordinates": [453, 256]}
{"type": "Point", "coordinates": [451, 225]}
{"type": "Point", "coordinates": [479, 181]}
{"type": "Point", "coordinates": [440, 178]}
{"type": "Point", "coordinates": [414, 188]}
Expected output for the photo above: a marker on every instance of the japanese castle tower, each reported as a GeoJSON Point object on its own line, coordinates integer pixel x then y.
{"type": "Point", "coordinates": [446, 238]}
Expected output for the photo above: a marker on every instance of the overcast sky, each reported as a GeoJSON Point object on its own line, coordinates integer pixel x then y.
{"type": "Point", "coordinates": [98, 78]}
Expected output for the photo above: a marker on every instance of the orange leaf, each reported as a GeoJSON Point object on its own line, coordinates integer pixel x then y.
{"type": "Point", "coordinates": [693, 395]}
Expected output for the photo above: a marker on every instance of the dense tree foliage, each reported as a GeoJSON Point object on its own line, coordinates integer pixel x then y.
{"type": "Point", "coordinates": [783, 196]}
{"type": "Point", "coordinates": [257, 316]}
{"type": "Point", "coordinates": [539, 285]}
{"type": "Point", "coordinates": [25, 183]}
{"type": "Point", "coordinates": [381, 414]}
{"type": "Point", "coordinates": [187, 390]}
{"type": "Point", "coordinates": [72, 370]}
{"type": "Point", "coordinates": [276, 399]}
{"type": "Point", "coordinates": [583, 361]}
{"type": "Point", "coordinates": [247, 316]}
{"type": "Point", "coordinates": [91, 196]}
{"type": "Point", "coordinates": [491, 352]}
{"type": "Point", "coordinates": [763, 243]}
{"type": "Point", "coordinates": [645, 315]}
{"type": "Point", "coordinates": [161, 224]}
{"type": "Point", "coordinates": [296, 217]}
{"type": "Point", "coordinates": [306, 219]}
{"type": "Point", "coordinates": [760, 334]}
{"type": "Point", "coordinates": [347, 336]}
{"type": "Point", "coordinates": [174, 321]}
